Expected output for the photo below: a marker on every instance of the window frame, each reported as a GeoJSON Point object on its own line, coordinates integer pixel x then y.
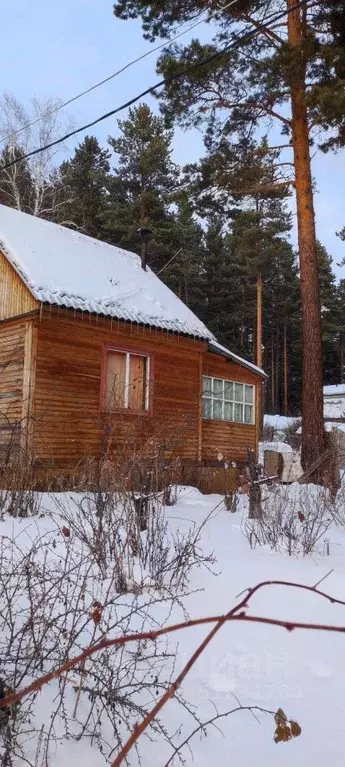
{"type": "Point", "coordinates": [234, 401]}
{"type": "Point", "coordinates": [112, 349]}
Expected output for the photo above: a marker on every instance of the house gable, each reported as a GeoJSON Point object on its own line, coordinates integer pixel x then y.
{"type": "Point", "coordinates": [15, 297]}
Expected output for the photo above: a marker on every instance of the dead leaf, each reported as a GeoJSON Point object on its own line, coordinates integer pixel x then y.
{"type": "Point", "coordinates": [295, 729]}
{"type": "Point", "coordinates": [66, 532]}
{"type": "Point", "coordinates": [96, 615]}
{"type": "Point", "coordinates": [280, 717]}
{"type": "Point", "coordinates": [282, 733]}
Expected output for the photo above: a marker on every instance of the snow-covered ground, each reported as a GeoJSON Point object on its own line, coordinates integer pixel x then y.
{"type": "Point", "coordinates": [299, 671]}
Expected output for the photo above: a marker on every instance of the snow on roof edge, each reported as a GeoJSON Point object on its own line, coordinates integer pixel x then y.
{"type": "Point", "coordinates": [105, 309]}
{"type": "Point", "coordinates": [215, 346]}
{"type": "Point", "coordinates": [26, 243]}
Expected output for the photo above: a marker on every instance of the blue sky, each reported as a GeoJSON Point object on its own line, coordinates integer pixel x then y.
{"type": "Point", "coordinates": [60, 48]}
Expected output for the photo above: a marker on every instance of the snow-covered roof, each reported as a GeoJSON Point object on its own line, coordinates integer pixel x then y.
{"type": "Point", "coordinates": [218, 348]}
{"type": "Point", "coordinates": [330, 391]}
{"type": "Point", "coordinates": [65, 268]}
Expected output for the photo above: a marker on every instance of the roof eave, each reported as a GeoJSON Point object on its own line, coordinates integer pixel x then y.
{"type": "Point", "coordinates": [214, 349]}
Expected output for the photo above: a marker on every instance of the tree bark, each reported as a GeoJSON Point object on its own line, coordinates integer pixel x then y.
{"type": "Point", "coordinates": [313, 437]}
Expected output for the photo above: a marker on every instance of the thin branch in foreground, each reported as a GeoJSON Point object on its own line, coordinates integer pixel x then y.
{"type": "Point", "coordinates": [212, 720]}
{"type": "Point", "coordinates": [237, 613]}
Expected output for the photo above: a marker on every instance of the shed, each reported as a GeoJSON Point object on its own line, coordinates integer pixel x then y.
{"type": "Point", "coordinates": [98, 354]}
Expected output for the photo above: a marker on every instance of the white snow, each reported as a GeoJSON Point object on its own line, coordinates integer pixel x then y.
{"type": "Point", "coordinates": [280, 422]}
{"type": "Point", "coordinates": [65, 268]}
{"type": "Point", "coordinates": [336, 389]}
{"type": "Point", "coordinates": [299, 671]}
{"type": "Point", "coordinates": [331, 426]}
{"type": "Point", "coordinates": [334, 408]}
{"type": "Point", "coordinates": [276, 446]}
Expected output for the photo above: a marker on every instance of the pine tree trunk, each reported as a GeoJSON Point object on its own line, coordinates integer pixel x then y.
{"type": "Point", "coordinates": [285, 369]}
{"type": "Point", "coordinates": [313, 438]}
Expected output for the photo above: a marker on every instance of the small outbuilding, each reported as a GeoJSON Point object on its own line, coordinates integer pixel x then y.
{"type": "Point", "coordinates": [96, 351]}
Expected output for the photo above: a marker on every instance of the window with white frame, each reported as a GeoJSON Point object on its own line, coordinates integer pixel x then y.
{"type": "Point", "coordinates": [228, 400]}
{"type": "Point", "coordinates": [126, 381]}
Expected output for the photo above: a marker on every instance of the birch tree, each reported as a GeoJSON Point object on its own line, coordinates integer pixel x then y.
{"type": "Point", "coordinates": [29, 186]}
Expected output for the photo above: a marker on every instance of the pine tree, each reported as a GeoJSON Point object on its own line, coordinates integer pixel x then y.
{"type": "Point", "coordinates": [341, 315]}
{"type": "Point", "coordinates": [282, 332]}
{"type": "Point", "coordinates": [83, 186]}
{"type": "Point", "coordinates": [235, 181]}
{"type": "Point", "coordinates": [183, 271]}
{"type": "Point", "coordinates": [144, 181]}
{"type": "Point", "coordinates": [251, 82]}
{"type": "Point", "coordinates": [331, 319]}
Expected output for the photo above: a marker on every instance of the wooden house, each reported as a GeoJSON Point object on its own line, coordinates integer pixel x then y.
{"type": "Point", "coordinates": [93, 345]}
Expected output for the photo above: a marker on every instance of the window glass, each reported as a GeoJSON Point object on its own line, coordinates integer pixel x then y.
{"type": "Point", "coordinates": [207, 408]}
{"type": "Point", "coordinates": [217, 408]}
{"type": "Point", "coordinates": [248, 414]}
{"type": "Point", "coordinates": [217, 388]}
{"type": "Point", "coordinates": [228, 411]}
{"type": "Point", "coordinates": [207, 385]}
{"type": "Point", "coordinates": [228, 400]}
{"type": "Point", "coordinates": [115, 380]}
{"type": "Point", "coordinates": [126, 381]}
{"type": "Point", "coordinates": [137, 382]}
{"type": "Point", "coordinates": [238, 392]}
{"type": "Point", "coordinates": [228, 390]}
{"type": "Point", "coordinates": [238, 412]}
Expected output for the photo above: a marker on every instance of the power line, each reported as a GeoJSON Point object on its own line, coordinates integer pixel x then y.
{"type": "Point", "coordinates": [112, 76]}
{"type": "Point", "coordinates": [165, 81]}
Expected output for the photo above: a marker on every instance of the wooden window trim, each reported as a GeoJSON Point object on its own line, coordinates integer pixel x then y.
{"type": "Point", "coordinates": [108, 349]}
{"type": "Point", "coordinates": [234, 401]}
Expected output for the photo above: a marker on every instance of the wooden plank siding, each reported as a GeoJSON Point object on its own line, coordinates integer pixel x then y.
{"type": "Point", "coordinates": [15, 298]}
{"type": "Point", "coordinates": [68, 423]}
{"type": "Point", "coordinates": [230, 440]}
{"type": "Point", "coordinates": [15, 358]}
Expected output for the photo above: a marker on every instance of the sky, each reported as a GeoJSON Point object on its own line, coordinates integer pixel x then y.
{"type": "Point", "coordinates": [61, 48]}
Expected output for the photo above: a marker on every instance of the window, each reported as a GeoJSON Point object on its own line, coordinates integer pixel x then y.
{"type": "Point", "coordinates": [126, 381]}
{"type": "Point", "coordinates": [227, 400]}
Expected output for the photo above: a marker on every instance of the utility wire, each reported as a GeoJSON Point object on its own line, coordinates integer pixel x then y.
{"type": "Point", "coordinates": [56, 109]}
{"type": "Point", "coordinates": [165, 81]}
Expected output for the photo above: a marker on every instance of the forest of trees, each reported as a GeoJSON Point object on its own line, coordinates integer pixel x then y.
{"type": "Point", "coordinates": [208, 246]}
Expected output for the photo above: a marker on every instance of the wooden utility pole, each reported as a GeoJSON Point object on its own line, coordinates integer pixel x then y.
{"type": "Point", "coordinates": [285, 369]}
{"type": "Point", "coordinates": [259, 320]}
{"type": "Point", "coordinates": [313, 437]}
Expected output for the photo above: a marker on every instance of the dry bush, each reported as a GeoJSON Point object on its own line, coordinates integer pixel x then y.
{"type": "Point", "coordinates": [294, 519]}
{"type": "Point", "coordinates": [17, 495]}
{"type": "Point", "coordinates": [108, 564]}
{"type": "Point", "coordinates": [55, 600]}
{"type": "Point", "coordinates": [127, 530]}
{"type": "Point", "coordinates": [292, 438]}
